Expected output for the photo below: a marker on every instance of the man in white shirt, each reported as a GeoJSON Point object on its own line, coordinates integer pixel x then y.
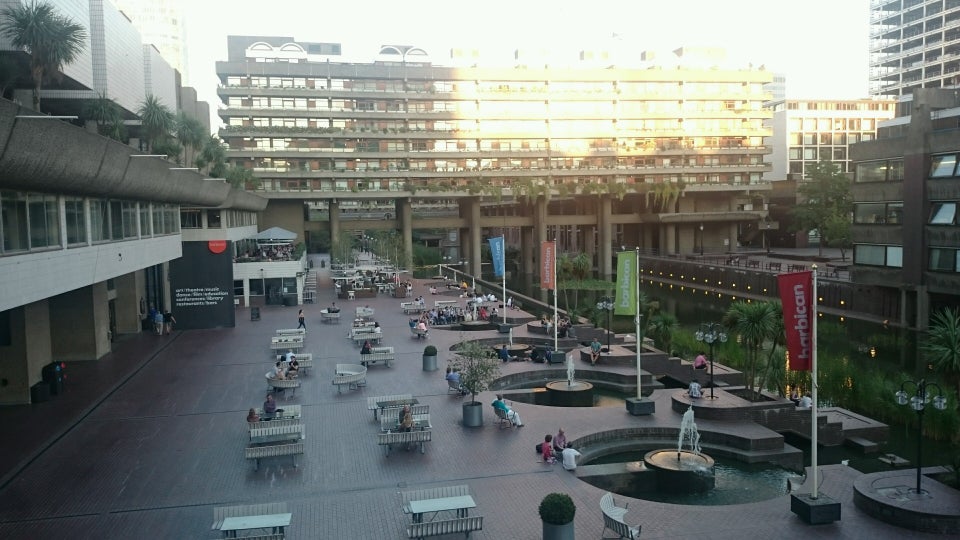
{"type": "Point", "coordinates": [806, 401]}
{"type": "Point", "coordinates": [569, 457]}
{"type": "Point", "coordinates": [694, 389]}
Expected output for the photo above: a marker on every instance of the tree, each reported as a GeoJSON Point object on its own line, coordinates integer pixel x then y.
{"type": "Point", "coordinates": [942, 345]}
{"type": "Point", "coordinates": [106, 114]}
{"type": "Point", "coordinates": [478, 368]}
{"type": "Point", "coordinates": [825, 204]}
{"type": "Point", "coordinates": [755, 323]}
{"type": "Point", "coordinates": [239, 177]}
{"type": "Point", "coordinates": [51, 38]}
{"type": "Point", "coordinates": [190, 133]}
{"type": "Point", "coordinates": [661, 329]}
{"type": "Point", "coordinates": [156, 122]}
{"type": "Point", "coordinates": [213, 157]}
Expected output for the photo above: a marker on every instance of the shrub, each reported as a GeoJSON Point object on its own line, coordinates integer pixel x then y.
{"type": "Point", "coordinates": [429, 350]}
{"type": "Point", "coordinates": [557, 509]}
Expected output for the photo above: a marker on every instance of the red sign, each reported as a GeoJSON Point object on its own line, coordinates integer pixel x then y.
{"type": "Point", "coordinates": [796, 294]}
{"type": "Point", "coordinates": [548, 258]}
{"type": "Point", "coordinates": [217, 246]}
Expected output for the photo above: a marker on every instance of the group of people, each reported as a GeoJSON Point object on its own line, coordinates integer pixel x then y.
{"type": "Point", "coordinates": [162, 321]}
{"type": "Point", "coordinates": [806, 401]}
{"type": "Point", "coordinates": [269, 410]}
{"type": "Point", "coordinates": [554, 445]}
{"type": "Point", "coordinates": [288, 368]}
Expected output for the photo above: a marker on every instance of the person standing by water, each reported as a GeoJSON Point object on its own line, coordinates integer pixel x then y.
{"type": "Point", "coordinates": [301, 321]}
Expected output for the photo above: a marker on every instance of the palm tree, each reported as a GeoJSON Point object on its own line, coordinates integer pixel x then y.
{"type": "Point", "coordinates": [156, 121]}
{"type": "Point", "coordinates": [190, 132]}
{"type": "Point", "coordinates": [661, 329]}
{"type": "Point", "coordinates": [107, 116]}
{"type": "Point", "coordinates": [942, 345]}
{"type": "Point", "coordinates": [213, 157]}
{"type": "Point", "coordinates": [580, 268]}
{"type": "Point", "coordinates": [755, 323]}
{"type": "Point", "coordinates": [51, 38]}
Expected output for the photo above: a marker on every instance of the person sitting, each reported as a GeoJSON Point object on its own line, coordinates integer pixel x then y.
{"type": "Point", "coordinates": [535, 356]}
{"type": "Point", "coordinates": [560, 440]}
{"type": "Point", "coordinates": [289, 357]}
{"type": "Point", "coordinates": [795, 397]}
{"type": "Point", "coordinates": [694, 390]}
{"type": "Point", "coordinates": [595, 349]}
{"type": "Point", "coordinates": [454, 377]}
{"type": "Point", "coordinates": [405, 419]}
{"type": "Point", "coordinates": [504, 353]}
{"type": "Point", "coordinates": [511, 414]}
{"type": "Point", "coordinates": [547, 449]}
{"type": "Point", "coordinates": [422, 326]}
{"type": "Point", "coordinates": [293, 369]}
{"type": "Point", "coordinates": [700, 362]}
{"type": "Point", "coordinates": [365, 349]}
{"type": "Point", "coordinates": [569, 457]}
{"type": "Point", "coordinates": [548, 357]}
{"type": "Point", "coordinates": [278, 371]}
{"type": "Point", "coordinates": [333, 308]}
{"type": "Point", "coordinates": [269, 405]}
{"type": "Point", "coordinates": [806, 401]}
{"type": "Point", "coordinates": [252, 416]}
{"type": "Point", "coordinates": [543, 320]}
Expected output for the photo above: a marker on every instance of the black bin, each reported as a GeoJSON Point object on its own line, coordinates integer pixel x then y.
{"type": "Point", "coordinates": [40, 392]}
{"type": "Point", "coordinates": [254, 314]}
{"type": "Point", "coordinates": [52, 374]}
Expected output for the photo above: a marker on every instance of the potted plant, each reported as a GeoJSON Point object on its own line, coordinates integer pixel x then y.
{"type": "Point", "coordinates": [429, 358]}
{"type": "Point", "coordinates": [557, 512]}
{"type": "Point", "coordinates": [477, 370]}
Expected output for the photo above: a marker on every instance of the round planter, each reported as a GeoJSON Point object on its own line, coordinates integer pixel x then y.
{"type": "Point", "coordinates": [558, 532]}
{"type": "Point", "coordinates": [472, 414]}
{"type": "Point", "coordinates": [429, 363]}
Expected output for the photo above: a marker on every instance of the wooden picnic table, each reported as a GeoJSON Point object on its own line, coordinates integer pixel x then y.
{"type": "Point", "coordinates": [420, 421]}
{"type": "Point", "coordinates": [274, 522]}
{"type": "Point", "coordinates": [396, 403]}
{"type": "Point", "coordinates": [461, 504]}
{"type": "Point", "coordinates": [272, 434]}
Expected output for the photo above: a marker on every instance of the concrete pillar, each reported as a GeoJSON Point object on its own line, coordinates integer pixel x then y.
{"type": "Point", "coordinates": [475, 237]}
{"type": "Point", "coordinates": [589, 240]}
{"type": "Point", "coordinates": [127, 306]}
{"type": "Point", "coordinates": [23, 359]}
{"type": "Point", "coordinates": [465, 250]}
{"type": "Point", "coordinates": [528, 263]}
{"type": "Point", "coordinates": [923, 308]}
{"type": "Point", "coordinates": [405, 211]}
{"type": "Point", "coordinates": [605, 263]}
{"type": "Point", "coordinates": [540, 211]}
{"type": "Point", "coordinates": [81, 322]}
{"type": "Point", "coordinates": [334, 220]}
{"type": "Point", "coordinates": [669, 244]}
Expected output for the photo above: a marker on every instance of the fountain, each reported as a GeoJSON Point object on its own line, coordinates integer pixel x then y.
{"type": "Point", "coordinates": [570, 393]}
{"type": "Point", "coordinates": [682, 471]}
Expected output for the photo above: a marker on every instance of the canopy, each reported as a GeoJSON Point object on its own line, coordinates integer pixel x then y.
{"type": "Point", "coordinates": [275, 234]}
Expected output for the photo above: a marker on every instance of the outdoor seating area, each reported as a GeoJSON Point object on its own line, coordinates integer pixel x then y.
{"type": "Point", "coordinates": [271, 517]}
{"type": "Point", "coordinates": [384, 355]}
{"type": "Point", "coordinates": [352, 376]}
{"type": "Point", "coordinates": [440, 511]}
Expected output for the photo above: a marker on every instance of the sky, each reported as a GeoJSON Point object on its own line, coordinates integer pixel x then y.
{"type": "Point", "coordinates": [821, 45]}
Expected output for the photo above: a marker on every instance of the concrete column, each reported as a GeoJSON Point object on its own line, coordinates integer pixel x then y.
{"type": "Point", "coordinates": [81, 322]}
{"type": "Point", "coordinates": [528, 263]}
{"type": "Point", "coordinates": [605, 263]}
{"type": "Point", "coordinates": [129, 289]}
{"type": "Point", "coordinates": [334, 220]}
{"type": "Point", "coordinates": [475, 237]}
{"type": "Point", "coordinates": [923, 308]}
{"type": "Point", "coordinates": [589, 240]}
{"type": "Point", "coordinates": [29, 350]}
{"type": "Point", "coordinates": [669, 244]}
{"type": "Point", "coordinates": [406, 229]}
{"type": "Point", "coordinates": [541, 212]}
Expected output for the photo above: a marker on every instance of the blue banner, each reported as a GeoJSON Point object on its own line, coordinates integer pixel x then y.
{"type": "Point", "coordinates": [496, 251]}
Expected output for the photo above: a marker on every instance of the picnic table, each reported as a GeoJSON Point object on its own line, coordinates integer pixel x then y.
{"type": "Point", "coordinates": [460, 504]}
{"type": "Point", "coordinates": [286, 342]}
{"type": "Point", "coordinates": [392, 403]}
{"type": "Point", "coordinates": [274, 434]}
{"type": "Point", "coordinates": [274, 522]}
{"type": "Point", "coordinates": [287, 412]}
{"type": "Point", "coordinates": [420, 421]}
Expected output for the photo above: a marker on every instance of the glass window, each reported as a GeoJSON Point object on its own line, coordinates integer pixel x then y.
{"type": "Point", "coordinates": [895, 171]}
{"type": "Point", "coordinates": [943, 213]}
{"type": "Point", "coordinates": [872, 171]}
{"type": "Point", "coordinates": [129, 219]}
{"type": "Point", "coordinates": [99, 220]}
{"type": "Point", "coordinates": [116, 220]}
{"type": "Point", "coordinates": [870, 255]}
{"type": "Point", "coordinates": [190, 219]}
{"type": "Point", "coordinates": [895, 213]}
{"type": "Point", "coordinates": [213, 219]}
{"type": "Point", "coordinates": [238, 287]}
{"type": "Point", "coordinates": [144, 219]}
{"type": "Point", "coordinates": [13, 213]}
{"type": "Point", "coordinates": [869, 213]}
{"type": "Point", "coordinates": [943, 166]}
{"type": "Point", "coordinates": [256, 287]}
{"type": "Point", "coordinates": [895, 256]}
{"type": "Point", "coordinates": [44, 221]}
{"type": "Point", "coordinates": [943, 260]}
{"type": "Point", "coordinates": [76, 222]}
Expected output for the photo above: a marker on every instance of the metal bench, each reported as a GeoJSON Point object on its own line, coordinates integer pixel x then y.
{"type": "Point", "coordinates": [304, 360]}
{"type": "Point", "coordinates": [411, 307]}
{"type": "Point", "coordinates": [613, 519]}
{"type": "Point", "coordinates": [378, 354]}
{"type": "Point", "coordinates": [391, 417]}
{"type": "Point", "coordinates": [327, 317]}
{"type": "Point", "coordinates": [276, 433]}
{"type": "Point", "coordinates": [266, 509]}
{"type": "Point", "coordinates": [282, 385]}
{"type": "Point", "coordinates": [372, 402]}
{"type": "Point", "coordinates": [274, 450]}
{"type": "Point", "coordinates": [420, 334]}
{"type": "Point", "coordinates": [288, 412]}
{"type": "Point", "coordinates": [464, 525]}
{"type": "Point", "coordinates": [431, 493]}
{"type": "Point", "coordinates": [365, 312]}
{"type": "Point", "coordinates": [352, 376]}
{"type": "Point", "coordinates": [273, 422]}
{"type": "Point", "coordinates": [291, 332]}
{"type": "Point", "coordinates": [391, 438]}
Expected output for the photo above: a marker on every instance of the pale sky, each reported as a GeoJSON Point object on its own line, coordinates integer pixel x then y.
{"type": "Point", "coordinates": [821, 45]}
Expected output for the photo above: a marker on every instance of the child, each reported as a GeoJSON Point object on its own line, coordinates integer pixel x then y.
{"type": "Point", "coordinates": [547, 449]}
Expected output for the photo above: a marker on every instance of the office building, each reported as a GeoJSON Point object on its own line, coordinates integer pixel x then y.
{"type": "Point", "coordinates": [161, 23]}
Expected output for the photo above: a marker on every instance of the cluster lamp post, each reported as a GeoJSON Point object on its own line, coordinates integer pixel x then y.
{"type": "Point", "coordinates": [711, 333]}
{"type": "Point", "coordinates": [606, 304]}
{"type": "Point", "coordinates": [918, 403]}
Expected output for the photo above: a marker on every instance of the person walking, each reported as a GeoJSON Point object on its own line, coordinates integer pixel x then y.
{"type": "Point", "coordinates": [168, 321]}
{"type": "Point", "coordinates": [302, 321]}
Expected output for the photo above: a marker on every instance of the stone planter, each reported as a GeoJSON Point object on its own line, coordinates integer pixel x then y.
{"type": "Point", "coordinates": [472, 414]}
{"type": "Point", "coordinates": [558, 532]}
{"type": "Point", "coordinates": [817, 511]}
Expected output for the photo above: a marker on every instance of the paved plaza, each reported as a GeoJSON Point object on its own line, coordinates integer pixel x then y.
{"type": "Point", "coordinates": [146, 442]}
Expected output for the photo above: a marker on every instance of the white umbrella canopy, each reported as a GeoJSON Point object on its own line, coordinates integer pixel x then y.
{"type": "Point", "coordinates": [276, 235]}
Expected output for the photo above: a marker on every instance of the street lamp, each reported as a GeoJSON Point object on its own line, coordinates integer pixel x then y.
{"type": "Point", "coordinates": [766, 239]}
{"type": "Point", "coordinates": [918, 402]}
{"type": "Point", "coordinates": [711, 333]}
{"type": "Point", "coordinates": [606, 304]}
{"type": "Point", "coordinates": [701, 239]}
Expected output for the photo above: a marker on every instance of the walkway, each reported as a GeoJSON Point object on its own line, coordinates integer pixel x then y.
{"type": "Point", "coordinates": [148, 441]}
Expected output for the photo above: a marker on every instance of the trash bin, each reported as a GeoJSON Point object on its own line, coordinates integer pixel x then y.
{"type": "Point", "coordinates": [40, 392]}
{"type": "Point", "coordinates": [430, 362]}
{"type": "Point", "coordinates": [52, 375]}
{"type": "Point", "coordinates": [255, 314]}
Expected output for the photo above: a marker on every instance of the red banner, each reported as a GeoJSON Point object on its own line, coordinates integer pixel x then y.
{"type": "Point", "coordinates": [796, 294]}
{"type": "Point", "coordinates": [548, 259]}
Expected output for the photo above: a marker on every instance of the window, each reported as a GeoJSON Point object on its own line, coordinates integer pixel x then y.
{"type": "Point", "coordinates": [238, 288]}
{"type": "Point", "coordinates": [76, 221]}
{"type": "Point", "coordinates": [44, 214]}
{"type": "Point", "coordinates": [99, 220]}
{"type": "Point", "coordinates": [895, 256]}
{"type": "Point", "coordinates": [874, 255]}
{"type": "Point", "coordinates": [144, 219]}
{"type": "Point", "coordinates": [943, 166]}
{"type": "Point", "coordinates": [256, 287]}
{"type": "Point", "coordinates": [943, 260]}
{"type": "Point", "coordinates": [213, 219]}
{"type": "Point", "coordinates": [13, 216]}
{"type": "Point", "coordinates": [880, 171]}
{"type": "Point", "coordinates": [129, 219]}
{"type": "Point", "coordinates": [869, 213]}
{"type": "Point", "coordinates": [944, 213]}
{"type": "Point", "coordinates": [190, 219]}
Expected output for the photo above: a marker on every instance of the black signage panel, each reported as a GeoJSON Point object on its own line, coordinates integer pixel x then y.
{"type": "Point", "coordinates": [201, 283]}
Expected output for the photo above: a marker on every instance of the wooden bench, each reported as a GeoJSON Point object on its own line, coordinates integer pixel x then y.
{"type": "Point", "coordinates": [378, 354]}
{"type": "Point", "coordinates": [420, 334]}
{"type": "Point", "coordinates": [282, 385]}
{"type": "Point", "coordinates": [290, 412]}
{"type": "Point", "coordinates": [391, 417]}
{"type": "Point", "coordinates": [411, 307]}
{"type": "Point", "coordinates": [464, 525]}
{"type": "Point", "coordinates": [273, 422]}
{"type": "Point", "coordinates": [431, 493]}
{"type": "Point", "coordinates": [390, 438]}
{"type": "Point", "coordinates": [266, 509]}
{"type": "Point", "coordinates": [372, 402]}
{"type": "Point", "coordinates": [274, 450]}
{"type": "Point", "coordinates": [291, 332]}
{"type": "Point", "coordinates": [276, 433]}
{"type": "Point", "coordinates": [613, 519]}
{"type": "Point", "coordinates": [352, 376]}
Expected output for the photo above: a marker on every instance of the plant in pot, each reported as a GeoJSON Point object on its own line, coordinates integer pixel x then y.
{"type": "Point", "coordinates": [557, 512]}
{"type": "Point", "coordinates": [429, 358]}
{"type": "Point", "coordinates": [477, 370]}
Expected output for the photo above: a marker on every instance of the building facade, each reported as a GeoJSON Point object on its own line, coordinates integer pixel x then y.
{"type": "Point", "coordinates": [497, 140]}
{"type": "Point", "coordinates": [913, 44]}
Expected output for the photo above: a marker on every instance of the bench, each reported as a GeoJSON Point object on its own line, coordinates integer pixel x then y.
{"type": "Point", "coordinates": [365, 312]}
{"type": "Point", "coordinates": [775, 266]}
{"type": "Point", "coordinates": [294, 343]}
{"type": "Point", "coordinates": [378, 354]}
{"type": "Point", "coordinates": [276, 433]}
{"type": "Point", "coordinates": [420, 334]}
{"type": "Point", "coordinates": [282, 385]}
{"type": "Point", "coordinates": [266, 509]}
{"type": "Point", "coordinates": [390, 417]}
{"type": "Point", "coordinates": [327, 317]}
{"type": "Point", "coordinates": [273, 422]}
{"type": "Point", "coordinates": [431, 493]}
{"type": "Point", "coordinates": [391, 438]}
{"type": "Point", "coordinates": [352, 376]}
{"type": "Point", "coordinates": [305, 361]}
{"type": "Point", "coordinates": [291, 332]}
{"type": "Point", "coordinates": [411, 307]}
{"type": "Point", "coordinates": [372, 337]}
{"type": "Point", "coordinates": [464, 525]}
{"type": "Point", "coordinates": [289, 412]}
{"type": "Point", "coordinates": [372, 402]}
{"type": "Point", "coordinates": [613, 519]}
{"type": "Point", "coordinates": [274, 450]}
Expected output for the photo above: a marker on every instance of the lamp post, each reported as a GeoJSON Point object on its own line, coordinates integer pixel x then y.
{"type": "Point", "coordinates": [711, 333]}
{"type": "Point", "coordinates": [766, 238]}
{"type": "Point", "coordinates": [606, 304]}
{"type": "Point", "coordinates": [918, 403]}
{"type": "Point", "coordinates": [701, 239]}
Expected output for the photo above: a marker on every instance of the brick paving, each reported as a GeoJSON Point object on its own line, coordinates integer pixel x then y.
{"type": "Point", "coordinates": [146, 442]}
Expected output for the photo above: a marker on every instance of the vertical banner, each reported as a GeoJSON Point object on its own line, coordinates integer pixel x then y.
{"type": "Point", "coordinates": [548, 258]}
{"type": "Point", "coordinates": [796, 294]}
{"type": "Point", "coordinates": [626, 297]}
{"type": "Point", "coordinates": [496, 251]}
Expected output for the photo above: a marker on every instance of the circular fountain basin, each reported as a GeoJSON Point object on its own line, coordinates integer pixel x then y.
{"type": "Point", "coordinates": [681, 472]}
{"type": "Point", "coordinates": [562, 394]}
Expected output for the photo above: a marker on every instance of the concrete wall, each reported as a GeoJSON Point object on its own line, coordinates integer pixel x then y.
{"type": "Point", "coordinates": [160, 79]}
{"type": "Point", "coordinates": [21, 361]}
{"type": "Point", "coordinates": [80, 322]}
{"type": "Point", "coordinates": [122, 80]}
{"type": "Point", "coordinates": [285, 214]}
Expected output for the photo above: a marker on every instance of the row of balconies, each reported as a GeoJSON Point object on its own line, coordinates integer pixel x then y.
{"type": "Point", "coordinates": [356, 153]}
{"type": "Point", "coordinates": [486, 172]}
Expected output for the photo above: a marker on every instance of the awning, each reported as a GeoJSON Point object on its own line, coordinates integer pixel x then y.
{"type": "Point", "coordinates": [275, 234]}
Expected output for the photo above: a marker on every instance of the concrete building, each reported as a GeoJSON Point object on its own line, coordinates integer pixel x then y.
{"type": "Point", "coordinates": [913, 44]}
{"type": "Point", "coordinates": [906, 191]}
{"type": "Point", "coordinates": [161, 23]}
{"type": "Point", "coordinates": [668, 156]}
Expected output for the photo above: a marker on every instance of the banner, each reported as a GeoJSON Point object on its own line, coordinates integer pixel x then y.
{"type": "Point", "coordinates": [796, 294]}
{"type": "Point", "coordinates": [496, 251]}
{"type": "Point", "coordinates": [626, 298]}
{"type": "Point", "coordinates": [548, 259]}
